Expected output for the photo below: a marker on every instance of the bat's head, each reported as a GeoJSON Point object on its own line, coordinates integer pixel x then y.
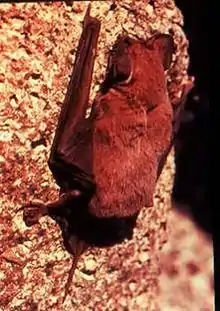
{"type": "Point", "coordinates": [137, 68]}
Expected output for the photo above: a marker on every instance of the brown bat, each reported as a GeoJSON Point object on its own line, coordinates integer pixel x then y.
{"type": "Point", "coordinates": [107, 165]}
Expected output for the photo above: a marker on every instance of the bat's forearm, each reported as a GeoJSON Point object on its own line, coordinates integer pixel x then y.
{"type": "Point", "coordinates": [77, 95]}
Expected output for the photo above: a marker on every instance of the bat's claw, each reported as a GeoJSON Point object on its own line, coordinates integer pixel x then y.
{"type": "Point", "coordinates": [32, 212]}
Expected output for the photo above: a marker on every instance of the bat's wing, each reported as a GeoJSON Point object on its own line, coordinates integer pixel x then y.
{"type": "Point", "coordinates": [70, 158]}
{"type": "Point", "coordinates": [178, 113]}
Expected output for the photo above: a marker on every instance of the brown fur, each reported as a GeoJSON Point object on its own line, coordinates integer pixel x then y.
{"type": "Point", "coordinates": [132, 130]}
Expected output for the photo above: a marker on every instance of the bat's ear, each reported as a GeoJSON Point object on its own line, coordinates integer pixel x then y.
{"type": "Point", "coordinates": [165, 45]}
{"type": "Point", "coordinates": [122, 69]}
{"type": "Point", "coordinates": [119, 62]}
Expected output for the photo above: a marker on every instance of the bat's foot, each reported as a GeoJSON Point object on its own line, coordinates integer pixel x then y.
{"type": "Point", "coordinates": [33, 212]}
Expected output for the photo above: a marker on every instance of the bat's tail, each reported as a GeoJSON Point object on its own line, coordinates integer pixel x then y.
{"type": "Point", "coordinates": [78, 247]}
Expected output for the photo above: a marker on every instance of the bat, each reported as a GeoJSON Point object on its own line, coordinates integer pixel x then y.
{"type": "Point", "coordinates": [107, 165]}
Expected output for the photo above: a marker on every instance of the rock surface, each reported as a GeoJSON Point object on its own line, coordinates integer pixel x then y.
{"type": "Point", "coordinates": [187, 267]}
{"type": "Point", "coordinates": [38, 43]}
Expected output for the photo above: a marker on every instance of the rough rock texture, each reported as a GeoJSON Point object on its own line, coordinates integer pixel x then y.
{"type": "Point", "coordinates": [37, 47]}
{"type": "Point", "coordinates": [186, 262]}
